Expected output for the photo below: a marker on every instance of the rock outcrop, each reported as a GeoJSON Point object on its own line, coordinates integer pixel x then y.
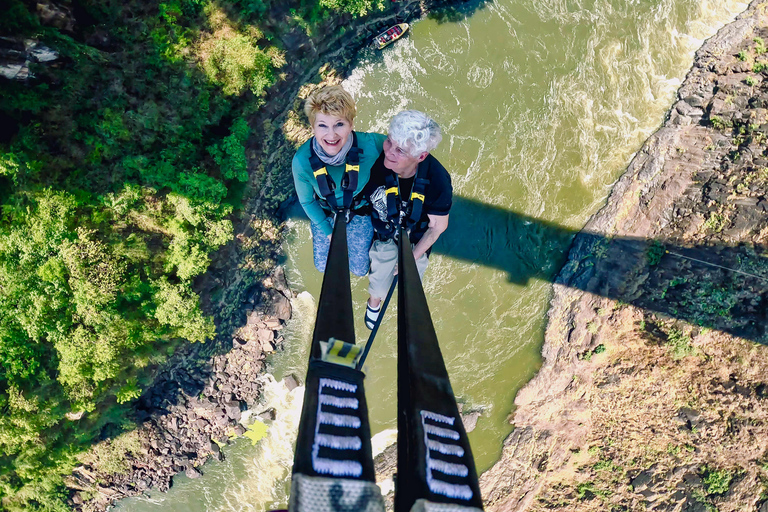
{"type": "Point", "coordinates": [652, 391]}
{"type": "Point", "coordinates": [193, 408]}
{"type": "Point", "coordinates": [17, 55]}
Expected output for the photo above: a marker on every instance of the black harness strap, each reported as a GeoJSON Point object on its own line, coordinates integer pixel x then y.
{"type": "Point", "coordinates": [415, 201]}
{"type": "Point", "coordinates": [348, 182]}
{"type": "Point", "coordinates": [417, 198]}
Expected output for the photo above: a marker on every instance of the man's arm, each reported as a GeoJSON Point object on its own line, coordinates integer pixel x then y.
{"type": "Point", "coordinates": [437, 224]}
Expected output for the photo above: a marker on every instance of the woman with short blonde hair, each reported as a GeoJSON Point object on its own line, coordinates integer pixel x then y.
{"type": "Point", "coordinates": [331, 170]}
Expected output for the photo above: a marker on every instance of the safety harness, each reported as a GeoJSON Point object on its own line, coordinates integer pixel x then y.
{"type": "Point", "coordinates": [411, 215]}
{"type": "Point", "coordinates": [333, 466]}
{"type": "Point", "coordinates": [348, 182]}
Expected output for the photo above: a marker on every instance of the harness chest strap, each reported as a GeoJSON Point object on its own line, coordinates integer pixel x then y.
{"type": "Point", "coordinates": [349, 182]}
{"type": "Point", "coordinates": [416, 200]}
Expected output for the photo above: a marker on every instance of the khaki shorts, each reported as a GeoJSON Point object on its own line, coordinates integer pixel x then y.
{"type": "Point", "coordinates": [383, 261]}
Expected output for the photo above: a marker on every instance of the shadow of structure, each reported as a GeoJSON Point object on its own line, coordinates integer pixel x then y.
{"type": "Point", "coordinates": [457, 12]}
{"type": "Point", "coordinates": [715, 286]}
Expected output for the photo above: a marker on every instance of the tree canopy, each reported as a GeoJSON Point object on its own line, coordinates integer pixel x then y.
{"type": "Point", "coordinates": [120, 171]}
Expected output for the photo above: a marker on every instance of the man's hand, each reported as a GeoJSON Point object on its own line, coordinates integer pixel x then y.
{"type": "Point", "coordinates": [437, 224]}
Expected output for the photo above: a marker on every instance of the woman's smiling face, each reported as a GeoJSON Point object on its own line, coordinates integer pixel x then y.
{"type": "Point", "coordinates": [331, 132]}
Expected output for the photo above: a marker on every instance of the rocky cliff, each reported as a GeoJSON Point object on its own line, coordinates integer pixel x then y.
{"type": "Point", "coordinates": [652, 394]}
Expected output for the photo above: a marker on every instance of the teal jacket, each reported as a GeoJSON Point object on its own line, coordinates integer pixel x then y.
{"type": "Point", "coordinates": [306, 184]}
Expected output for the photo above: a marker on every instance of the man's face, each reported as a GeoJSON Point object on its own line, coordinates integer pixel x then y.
{"type": "Point", "coordinates": [399, 160]}
{"type": "Point", "coordinates": [331, 132]}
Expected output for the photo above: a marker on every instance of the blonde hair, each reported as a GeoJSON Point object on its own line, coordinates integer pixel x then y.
{"type": "Point", "coordinates": [331, 100]}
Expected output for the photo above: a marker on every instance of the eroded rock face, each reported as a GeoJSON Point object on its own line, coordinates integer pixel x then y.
{"type": "Point", "coordinates": [55, 15]}
{"type": "Point", "coordinates": [16, 55]}
{"type": "Point", "coordinates": [192, 408]}
{"type": "Point", "coordinates": [650, 393]}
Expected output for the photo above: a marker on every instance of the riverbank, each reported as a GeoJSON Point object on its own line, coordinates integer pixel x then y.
{"type": "Point", "coordinates": [199, 398]}
{"type": "Point", "coordinates": [652, 390]}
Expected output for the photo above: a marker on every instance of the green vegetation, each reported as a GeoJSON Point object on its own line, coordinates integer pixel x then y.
{"type": "Point", "coordinates": [759, 45]}
{"type": "Point", "coordinates": [718, 123]}
{"type": "Point", "coordinates": [120, 166]}
{"type": "Point", "coordinates": [675, 282]}
{"type": "Point", "coordinates": [587, 356]}
{"type": "Point", "coordinates": [355, 7]}
{"type": "Point", "coordinates": [716, 222]}
{"type": "Point", "coordinates": [750, 81]}
{"type": "Point", "coordinates": [742, 56]}
{"type": "Point", "coordinates": [655, 252]}
{"type": "Point", "coordinates": [717, 481]}
{"type": "Point", "coordinates": [680, 344]}
{"type": "Point", "coordinates": [588, 490]}
{"type": "Point", "coordinates": [607, 465]}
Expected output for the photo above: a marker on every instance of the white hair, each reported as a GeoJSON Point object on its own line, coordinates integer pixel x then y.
{"type": "Point", "coordinates": [415, 132]}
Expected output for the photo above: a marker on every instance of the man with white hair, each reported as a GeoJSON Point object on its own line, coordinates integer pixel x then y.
{"type": "Point", "coordinates": [407, 187]}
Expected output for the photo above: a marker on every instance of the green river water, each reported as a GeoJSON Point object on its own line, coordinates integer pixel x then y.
{"type": "Point", "coordinates": [543, 104]}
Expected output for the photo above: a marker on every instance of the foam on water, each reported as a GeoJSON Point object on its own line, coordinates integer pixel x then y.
{"type": "Point", "coordinates": [251, 477]}
{"type": "Point", "coordinates": [267, 468]}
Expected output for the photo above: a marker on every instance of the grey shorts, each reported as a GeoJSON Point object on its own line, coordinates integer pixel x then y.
{"type": "Point", "coordinates": [383, 260]}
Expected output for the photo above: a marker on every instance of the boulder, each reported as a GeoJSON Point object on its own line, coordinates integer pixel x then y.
{"type": "Point", "coordinates": [291, 382]}
{"type": "Point", "coordinates": [278, 305]}
{"type": "Point", "coordinates": [273, 324]}
{"type": "Point", "coordinates": [216, 451]}
{"type": "Point", "coordinates": [270, 414]}
{"type": "Point", "coordinates": [280, 283]}
{"type": "Point", "coordinates": [55, 15]}
{"type": "Point", "coordinates": [232, 410]}
{"type": "Point", "coordinates": [266, 336]}
{"type": "Point", "coordinates": [192, 472]}
{"type": "Point", "coordinates": [16, 55]}
{"type": "Point", "coordinates": [469, 420]}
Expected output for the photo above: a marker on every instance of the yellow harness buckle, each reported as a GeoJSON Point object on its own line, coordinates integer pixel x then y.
{"type": "Point", "coordinates": [392, 190]}
{"type": "Point", "coordinates": [353, 168]}
{"type": "Point", "coordinates": [339, 352]}
{"type": "Point", "coordinates": [320, 171]}
{"type": "Point", "coordinates": [414, 195]}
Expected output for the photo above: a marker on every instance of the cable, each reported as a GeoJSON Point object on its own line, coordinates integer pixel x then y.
{"type": "Point", "coordinates": [376, 325]}
{"type": "Point", "coordinates": [716, 265]}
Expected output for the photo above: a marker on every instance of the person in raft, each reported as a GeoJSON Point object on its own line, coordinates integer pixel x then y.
{"type": "Point", "coordinates": [408, 187]}
{"type": "Point", "coordinates": [331, 170]}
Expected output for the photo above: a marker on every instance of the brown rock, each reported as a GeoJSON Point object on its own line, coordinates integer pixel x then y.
{"type": "Point", "coordinates": [279, 305]}
{"type": "Point", "coordinates": [55, 15]}
{"type": "Point", "coordinates": [193, 473]}
{"type": "Point", "coordinates": [291, 382]}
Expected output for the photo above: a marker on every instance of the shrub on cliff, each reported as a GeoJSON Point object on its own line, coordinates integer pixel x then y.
{"type": "Point", "coordinates": [354, 7]}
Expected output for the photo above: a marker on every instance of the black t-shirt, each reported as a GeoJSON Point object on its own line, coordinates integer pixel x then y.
{"type": "Point", "coordinates": [438, 196]}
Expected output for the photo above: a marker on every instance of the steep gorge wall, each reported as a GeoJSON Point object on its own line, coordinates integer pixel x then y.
{"type": "Point", "coordinates": [652, 394]}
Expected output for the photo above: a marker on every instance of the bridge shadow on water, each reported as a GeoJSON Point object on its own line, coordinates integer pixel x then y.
{"type": "Point", "coordinates": [715, 286]}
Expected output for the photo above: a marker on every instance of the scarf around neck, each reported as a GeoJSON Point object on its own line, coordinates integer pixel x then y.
{"type": "Point", "coordinates": [337, 159]}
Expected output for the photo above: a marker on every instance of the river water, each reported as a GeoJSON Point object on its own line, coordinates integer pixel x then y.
{"type": "Point", "coordinates": [543, 104]}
